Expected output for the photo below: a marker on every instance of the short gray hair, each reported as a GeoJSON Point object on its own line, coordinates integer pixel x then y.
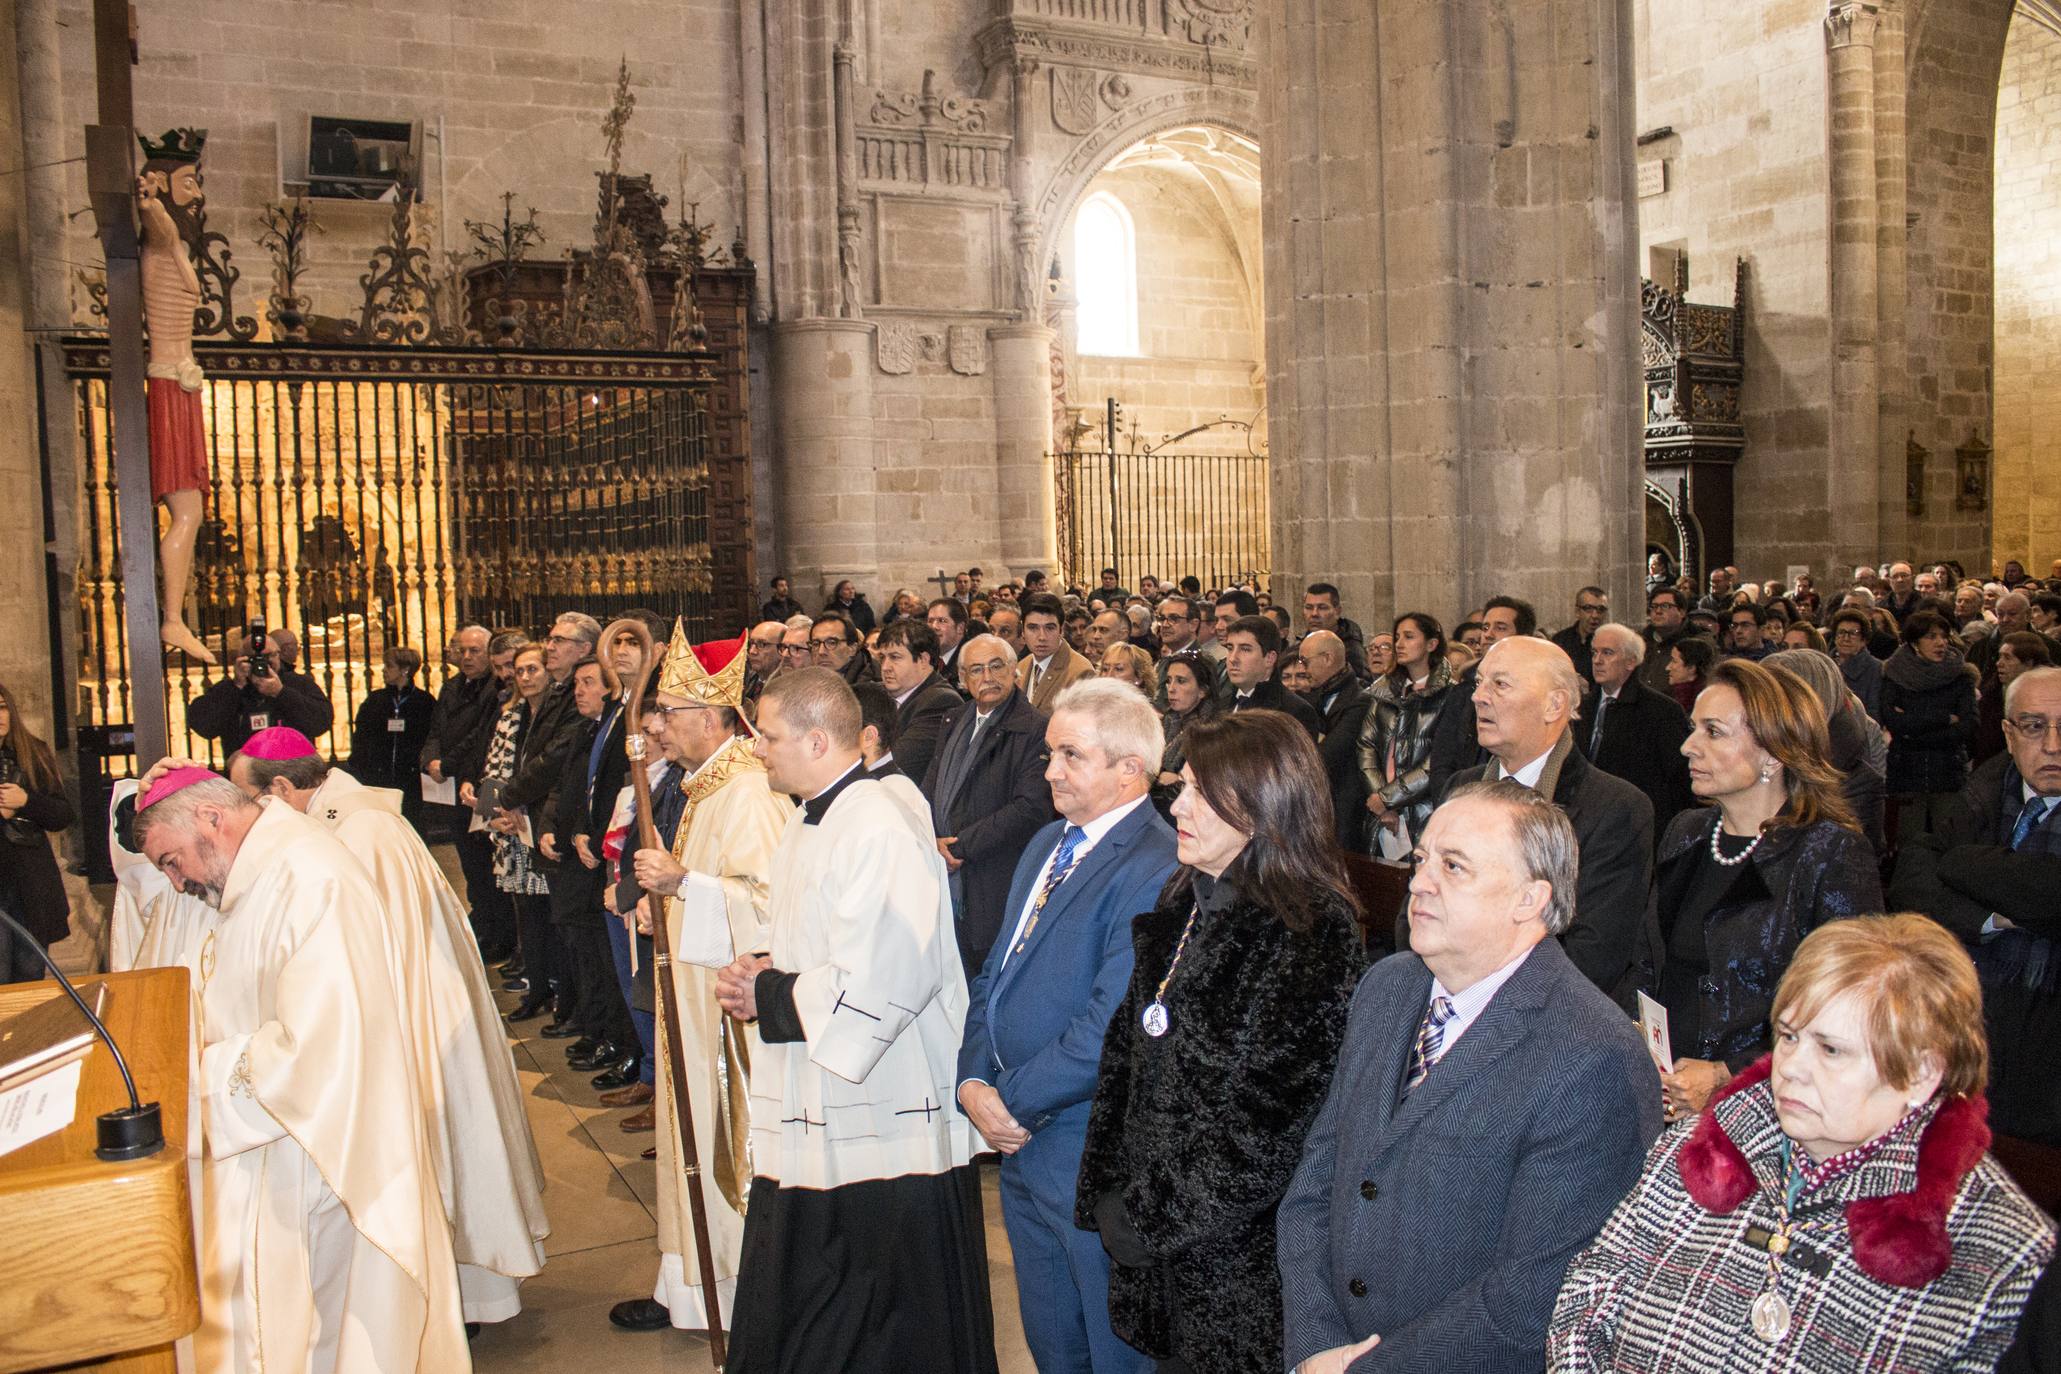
{"type": "Point", "coordinates": [1000, 643]}
{"type": "Point", "coordinates": [1819, 673]}
{"type": "Point", "coordinates": [2035, 676]}
{"type": "Point", "coordinates": [584, 625]}
{"type": "Point", "coordinates": [179, 808]}
{"type": "Point", "coordinates": [1120, 720]}
{"type": "Point", "coordinates": [1630, 642]}
{"type": "Point", "coordinates": [1545, 841]}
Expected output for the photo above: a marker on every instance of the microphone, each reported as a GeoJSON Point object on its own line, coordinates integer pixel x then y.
{"type": "Point", "coordinates": [130, 1132]}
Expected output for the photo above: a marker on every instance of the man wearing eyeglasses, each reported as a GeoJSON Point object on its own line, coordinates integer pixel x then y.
{"type": "Point", "coordinates": [1591, 609]}
{"type": "Point", "coordinates": [835, 643]}
{"type": "Point", "coordinates": [762, 656]}
{"type": "Point", "coordinates": [1989, 873]}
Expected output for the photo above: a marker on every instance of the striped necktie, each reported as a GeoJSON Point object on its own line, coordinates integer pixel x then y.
{"type": "Point", "coordinates": [1062, 868]}
{"type": "Point", "coordinates": [1431, 1041]}
{"type": "Point", "coordinates": [2029, 819]}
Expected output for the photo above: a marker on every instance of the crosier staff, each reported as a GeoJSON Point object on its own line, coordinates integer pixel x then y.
{"type": "Point", "coordinates": [669, 996]}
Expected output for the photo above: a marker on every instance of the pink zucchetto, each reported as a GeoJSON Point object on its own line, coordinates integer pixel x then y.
{"type": "Point", "coordinates": [276, 743]}
{"type": "Point", "coordinates": [177, 780]}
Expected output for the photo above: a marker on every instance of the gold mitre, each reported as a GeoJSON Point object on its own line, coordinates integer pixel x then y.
{"type": "Point", "coordinates": [710, 674]}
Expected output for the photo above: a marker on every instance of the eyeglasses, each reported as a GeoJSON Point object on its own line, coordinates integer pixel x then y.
{"type": "Point", "coordinates": [793, 650]}
{"type": "Point", "coordinates": [1590, 608]}
{"type": "Point", "coordinates": [561, 639]}
{"type": "Point", "coordinates": [2034, 727]}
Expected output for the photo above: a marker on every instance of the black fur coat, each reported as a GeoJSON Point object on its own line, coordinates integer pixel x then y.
{"type": "Point", "coordinates": [1194, 1135]}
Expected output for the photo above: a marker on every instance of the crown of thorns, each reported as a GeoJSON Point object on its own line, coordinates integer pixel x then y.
{"type": "Point", "coordinates": [177, 145]}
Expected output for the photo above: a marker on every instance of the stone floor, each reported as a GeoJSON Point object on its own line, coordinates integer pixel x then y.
{"type": "Point", "coordinates": [603, 1248]}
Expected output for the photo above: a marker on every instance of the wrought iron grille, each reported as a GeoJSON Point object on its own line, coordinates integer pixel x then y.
{"type": "Point", "coordinates": [367, 497]}
{"type": "Point", "coordinates": [1169, 514]}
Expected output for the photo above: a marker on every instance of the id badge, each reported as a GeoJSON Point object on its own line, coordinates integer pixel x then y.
{"type": "Point", "coordinates": [395, 725]}
{"type": "Point", "coordinates": [260, 721]}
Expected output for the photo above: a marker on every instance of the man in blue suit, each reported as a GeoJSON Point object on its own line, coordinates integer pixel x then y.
{"type": "Point", "coordinates": [1044, 997]}
{"type": "Point", "coordinates": [1490, 1109]}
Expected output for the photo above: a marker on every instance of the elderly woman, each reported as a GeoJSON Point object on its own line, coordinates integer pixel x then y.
{"type": "Point", "coordinates": [1220, 1055]}
{"type": "Point", "coordinates": [1129, 663]}
{"type": "Point", "coordinates": [1395, 739]}
{"type": "Point", "coordinates": [1928, 708]}
{"type": "Point", "coordinates": [1859, 751]}
{"type": "Point", "coordinates": [1190, 680]}
{"type": "Point", "coordinates": [1836, 1209]}
{"type": "Point", "coordinates": [515, 862]}
{"type": "Point", "coordinates": [1741, 882]}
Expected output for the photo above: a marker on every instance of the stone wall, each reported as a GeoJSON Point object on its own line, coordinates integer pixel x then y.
{"type": "Point", "coordinates": [1746, 178]}
{"type": "Point", "coordinates": [1955, 51]}
{"type": "Point", "coordinates": [2027, 499]}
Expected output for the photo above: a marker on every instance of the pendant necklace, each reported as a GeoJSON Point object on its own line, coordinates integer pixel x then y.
{"type": "Point", "coordinates": [1155, 1018]}
{"type": "Point", "coordinates": [1770, 1311]}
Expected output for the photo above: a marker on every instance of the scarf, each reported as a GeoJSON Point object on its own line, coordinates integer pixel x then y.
{"type": "Point", "coordinates": [1915, 674]}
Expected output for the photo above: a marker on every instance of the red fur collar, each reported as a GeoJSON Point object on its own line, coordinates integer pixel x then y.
{"type": "Point", "coordinates": [1900, 1239]}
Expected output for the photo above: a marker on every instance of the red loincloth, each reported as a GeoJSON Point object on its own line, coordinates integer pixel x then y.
{"type": "Point", "coordinates": [178, 440]}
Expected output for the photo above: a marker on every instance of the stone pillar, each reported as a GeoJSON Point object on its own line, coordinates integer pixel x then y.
{"type": "Point", "coordinates": [1020, 359]}
{"type": "Point", "coordinates": [1892, 284]}
{"type": "Point", "coordinates": [1855, 469]}
{"type": "Point", "coordinates": [823, 407]}
{"type": "Point", "coordinates": [25, 649]}
{"type": "Point", "coordinates": [1451, 323]}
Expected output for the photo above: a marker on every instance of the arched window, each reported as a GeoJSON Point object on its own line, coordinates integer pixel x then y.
{"type": "Point", "coordinates": [1105, 273]}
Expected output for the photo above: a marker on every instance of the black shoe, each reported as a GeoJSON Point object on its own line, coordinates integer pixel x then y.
{"type": "Point", "coordinates": [511, 967]}
{"type": "Point", "coordinates": [584, 1045]}
{"type": "Point", "coordinates": [622, 1075]}
{"type": "Point", "coordinates": [640, 1314]}
{"type": "Point", "coordinates": [600, 1057]}
{"type": "Point", "coordinates": [528, 1009]}
{"type": "Point", "coordinates": [515, 985]}
{"type": "Point", "coordinates": [559, 1030]}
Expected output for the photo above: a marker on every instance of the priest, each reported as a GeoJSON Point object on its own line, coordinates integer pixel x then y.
{"type": "Point", "coordinates": [320, 1199]}
{"type": "Point", "coordinates": [487, 1167]}
{"type": "Point", "coordinates": [714, 885]}
{"type": "Point", "coordinates": [864, 1246]}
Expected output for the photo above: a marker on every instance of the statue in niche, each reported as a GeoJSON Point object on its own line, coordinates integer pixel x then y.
{"type": "Point", "coordinates": [169, 200]}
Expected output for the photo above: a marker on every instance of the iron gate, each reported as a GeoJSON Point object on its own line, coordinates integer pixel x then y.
{"type": "Point", "coordinates": [1169, 514]}
{"type": "Point", "coordinates": [367, 497]}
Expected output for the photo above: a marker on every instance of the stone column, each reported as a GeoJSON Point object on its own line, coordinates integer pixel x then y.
{"type": "Point", "coordinates": [25, 649]}
{"type": "Point", "coordinates": [1451, 324]}
{"type": "Point", "coordinates": [1020, 359]}
{"type": "Point", "coordinates": [1855, 469]}
{"type": "Point", "coordinates": [1892, 284]}
{"type": "Point", "coordinates": [823, 405]}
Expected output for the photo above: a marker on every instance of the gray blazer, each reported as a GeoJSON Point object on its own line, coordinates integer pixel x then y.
{"type": "Point", "coordinates": [1445, 1222]}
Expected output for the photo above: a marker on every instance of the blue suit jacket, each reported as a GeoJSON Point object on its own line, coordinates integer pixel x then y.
{"type": "Point", "coordinates": [1445, 1222]}
{"type": "Point", "coordinates": [1034, 1028]}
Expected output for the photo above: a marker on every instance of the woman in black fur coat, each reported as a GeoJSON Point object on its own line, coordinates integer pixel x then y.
{"type": "Point", "coordinates": [1222, 1051]}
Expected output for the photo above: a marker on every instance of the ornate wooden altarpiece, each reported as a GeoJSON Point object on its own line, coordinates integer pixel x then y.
{"type": "Point", "coordinates": [1693, 357]}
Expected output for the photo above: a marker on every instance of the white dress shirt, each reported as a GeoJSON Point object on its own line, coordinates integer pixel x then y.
{"type": "Point", "coordinates": [1529, 774]}
{"type": "Point", "coordinates": [1469, 1005]}
{"type": "Point", "coordinates": [1091, 835]}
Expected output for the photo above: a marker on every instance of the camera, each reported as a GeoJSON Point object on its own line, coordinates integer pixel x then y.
{"type": "Point", "coordinates": [254, 646]}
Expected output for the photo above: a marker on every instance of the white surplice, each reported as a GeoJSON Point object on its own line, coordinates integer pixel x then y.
{"type": "Point", "coordinates": [325, 1242]}
{"type": "Point", "coordinates": [487, 1167]}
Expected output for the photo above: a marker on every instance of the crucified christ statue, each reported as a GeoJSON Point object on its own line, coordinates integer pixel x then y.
{"type": "Point", "coordinates": [169, 199]}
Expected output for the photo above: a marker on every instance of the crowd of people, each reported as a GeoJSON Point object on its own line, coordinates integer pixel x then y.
{"type": "Point", "coordinates": [1329, 996]}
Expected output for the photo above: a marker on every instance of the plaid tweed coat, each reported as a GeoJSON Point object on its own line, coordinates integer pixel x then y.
{"type": "Point", "coordinates": [1928, 1252]}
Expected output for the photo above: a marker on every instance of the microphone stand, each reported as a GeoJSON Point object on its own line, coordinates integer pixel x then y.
{"type": "Point", "coordinates": [130, 1132]}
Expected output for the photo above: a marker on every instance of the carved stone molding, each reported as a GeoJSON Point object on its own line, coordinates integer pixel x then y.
{"type": "Point", "coordinates": [1851, 23]}
{"type": "Point", "coordinates": [930, 138]}
{"type": "Point", "coordinates": [1228, 22]}
{"type": "Point", "coordinates": [967, 349]}
{"type": "Point", "coordinates": [896, 346]}
{"type": "Point", "coordinates": [1019, 39]}
{"type": "Point", "coordinates": [1076, 99]}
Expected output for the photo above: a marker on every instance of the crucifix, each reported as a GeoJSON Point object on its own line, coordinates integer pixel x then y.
{"type": "Point", "coordinates": [944, 583]}
{"type": "Point", "coordinates": [111, 186]}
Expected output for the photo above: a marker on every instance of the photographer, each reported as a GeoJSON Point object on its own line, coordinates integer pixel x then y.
{"type": "Point", "coordinates": [258, 692]}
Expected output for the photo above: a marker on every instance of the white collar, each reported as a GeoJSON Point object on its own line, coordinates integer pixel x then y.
{"type": "Point", "coordinates": [1469, 1005]}
{"type": "Point", "coordinates": [1529, 774]}
{"type": "Point", "coordinates": [1093, 831]}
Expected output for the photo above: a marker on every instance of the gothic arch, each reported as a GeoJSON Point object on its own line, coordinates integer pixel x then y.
{"type": "Point", "coordinates": [1226, 107]}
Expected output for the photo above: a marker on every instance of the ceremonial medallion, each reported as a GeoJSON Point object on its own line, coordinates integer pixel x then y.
{"type": "Point", "coordinates": [1155, 1020]}
{"type": "Point", "coordinates": [1770, 1317]}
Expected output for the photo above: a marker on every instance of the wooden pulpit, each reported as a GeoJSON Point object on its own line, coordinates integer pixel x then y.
{"type": "Point", "coordinates": [97, 1266]}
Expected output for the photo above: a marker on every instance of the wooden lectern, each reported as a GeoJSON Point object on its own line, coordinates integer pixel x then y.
{"type": "Point", "coordinates": [97, 1265]}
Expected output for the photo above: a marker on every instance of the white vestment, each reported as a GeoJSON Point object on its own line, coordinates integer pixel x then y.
{"type": "Point", "coordinates": [862, 913]}
{"type": "Point", "coordinates": [487, 1167]}
{"type": "Point", "coordinates": [325, 1242]}
{"type": "Point", "coordinates": [726, 840]}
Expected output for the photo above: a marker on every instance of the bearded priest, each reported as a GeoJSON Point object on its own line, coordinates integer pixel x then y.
{"type": "Point", "coordinates": [487, 1166]}
{"type": "Point", "coordinates": [715, 886]}
{"type": "Point", "coordinates": [864, 1247]}
{"type": "Point", "coordinates": [320, 1188]}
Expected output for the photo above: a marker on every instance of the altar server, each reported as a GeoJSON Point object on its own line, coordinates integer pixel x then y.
{"type": "Point", "coordinates": [321, 1201]}
{"type": "Point", "coordinates": [487, 1167]}
{"type": "Point", "coordinates": [863, 1240]}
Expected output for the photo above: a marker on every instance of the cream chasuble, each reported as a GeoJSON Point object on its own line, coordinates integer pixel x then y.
{"type": "Point", "coordinates": [726, 839]}
{"type": "Point", "coordinates": [487, 1166]}
{"type": "Point", "coordinates": [861, 911]}
{"type": "Point", "coordinates": [325, 1243]}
